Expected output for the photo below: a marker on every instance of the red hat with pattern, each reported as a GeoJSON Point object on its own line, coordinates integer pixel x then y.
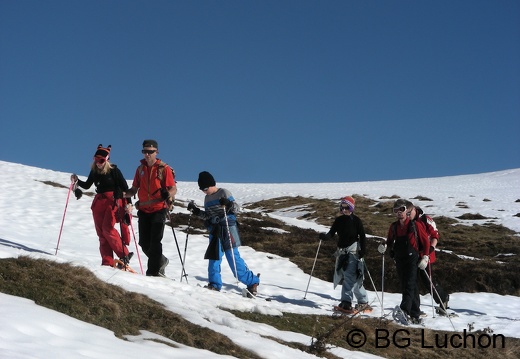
{"type": "Point", "coordinates": [348, 202]}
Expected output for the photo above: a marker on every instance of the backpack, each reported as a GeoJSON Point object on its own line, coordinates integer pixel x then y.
{"type": "Point", "coordinates": [160, 176]}
{"type": "Point", "coordinates": [428, 220]}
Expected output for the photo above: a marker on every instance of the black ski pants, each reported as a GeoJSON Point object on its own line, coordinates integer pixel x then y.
{"type": "Point", "coordinates": [151, 231]}
{"type": "Point", "coordinates": [407, 272]}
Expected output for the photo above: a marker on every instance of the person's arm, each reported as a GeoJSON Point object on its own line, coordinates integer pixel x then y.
{"type": "Point", "coordinates": [83, 184]}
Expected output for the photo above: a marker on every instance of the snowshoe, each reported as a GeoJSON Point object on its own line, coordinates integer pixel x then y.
{"type": "Point", "coordinates": [363, 308]}
{"type": "Point", "coordinates": [119, 264]}
{"type": "Point", "coordinates": [400, 316]}
{"type": "Point", "coordinates": [164, 263]}
{"type": "Point", "coordinates": [211, 287]}
{"type": "Point", "coordinates": [251, 290]}
{"type": "Point", "coordinates": [444, 313]}
{"type": "Point", "coordinates": [345, 311]}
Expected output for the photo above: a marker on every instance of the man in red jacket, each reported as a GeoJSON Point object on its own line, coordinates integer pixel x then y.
{"type": "Point", "coordinates": [154, 183]}
{"type": "Point", "coordinates": [409, 247]}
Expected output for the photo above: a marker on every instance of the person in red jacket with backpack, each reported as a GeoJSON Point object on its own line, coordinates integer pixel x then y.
{"type": "Point", "coordinates": [410, 248]}
{"type": "Point", "coordinates": [154, 183]}
{"type": "Point", "coordinates": [440, 296]}
{"type": "Point", "coordinates": [108, 207]}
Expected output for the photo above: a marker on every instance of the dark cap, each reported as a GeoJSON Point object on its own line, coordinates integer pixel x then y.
{"type": "Point", "coordinates": [402, 203]}
{"type": "Point", "coordinates": [206, 180]}
{"type": "Point", "coordinates": [150, 143]}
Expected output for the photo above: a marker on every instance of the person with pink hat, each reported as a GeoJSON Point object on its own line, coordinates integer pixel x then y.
{"type": "Point", "coordinates": [349, 270]}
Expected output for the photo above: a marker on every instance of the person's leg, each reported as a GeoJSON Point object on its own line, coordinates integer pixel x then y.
{"type": "Point", "coordinates": [407, 278]}
{"type": "Point", "coordinates": [349, 278]}
{"type": "Point", "coordinates": [214, 277]}
{"type": "Point", "coordinates": [411, 296]}
{"type": "Point", "coordinates": [359, 290]}
{"type": "Point", "coordinates": [110, 234]}
{"type": "Point", "coordinates": [98, 213]}
{"type": "Point", "coordinates": [243, 273]}
{"type": "Point", "coordinates": [144, 225]}
{"type": "Point", "coordinates": [154, 254]}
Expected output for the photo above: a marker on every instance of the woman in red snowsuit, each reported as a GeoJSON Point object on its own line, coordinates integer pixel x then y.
{"type": "Point", "coordinates": [108, 207]}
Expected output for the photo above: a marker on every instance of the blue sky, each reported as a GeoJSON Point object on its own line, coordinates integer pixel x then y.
{"type": "Point", "coordinates": [264, 91]}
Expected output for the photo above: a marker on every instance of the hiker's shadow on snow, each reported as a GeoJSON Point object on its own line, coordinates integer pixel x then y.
{"type": "Point", "coordinates": [304, 302]}
{"type": "Point", "coordinates": [467, 312]}
{"type": "Point", "coordinates": [460, 311]}
{"type": "Point", "coordinates": [15, 245]}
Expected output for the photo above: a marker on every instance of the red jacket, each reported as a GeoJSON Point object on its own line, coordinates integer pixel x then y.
{"type": "Point", "coordinates": [148, 184]}
{"type": "Point", "coordinates": [421, 244]}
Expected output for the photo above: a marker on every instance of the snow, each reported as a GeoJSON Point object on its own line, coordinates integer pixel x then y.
{"type": "Point", "coordinates": [31, 221]}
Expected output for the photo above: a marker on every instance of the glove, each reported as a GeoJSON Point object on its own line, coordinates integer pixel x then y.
{"type": "Point", "coordinates": [165, 194]}
{"type": "Point", "coordinates": [361, 253]}
{"type": "Point", "coordinates": [424, 262]}
{"type": "Point", "coordinates": [74, 178]}
{"type": "Point", "coordinates": [193, 208]}
{"type": "Point", "coordinates": [381, 248]}
{"type": "Point", "coordinates": [224, 201]}
{"type": "Point", "coordinates": [78, 193]}
{"type": "Point", "coordinates": [324, 236]}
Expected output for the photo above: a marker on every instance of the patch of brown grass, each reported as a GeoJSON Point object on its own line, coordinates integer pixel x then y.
{"type": "Point", "coordinates": [76, 292]}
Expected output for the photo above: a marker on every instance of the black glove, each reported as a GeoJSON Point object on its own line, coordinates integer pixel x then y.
{"type": "Point", "coordinates": [224, 201]}
{"type": "Point", "coordinates": [324, 236]}
{"type": "Point", "coordinates": [361, 253]}
{"type": "Point", "coordinates": [78, 193]}
{"type": "Point", "coordinates": [193, 208]}
{"type": "Point", "coordinates": [165, 194]}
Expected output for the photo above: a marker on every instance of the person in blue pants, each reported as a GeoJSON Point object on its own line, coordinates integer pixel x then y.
{"type": "Point", "coordinates": [219, 216]}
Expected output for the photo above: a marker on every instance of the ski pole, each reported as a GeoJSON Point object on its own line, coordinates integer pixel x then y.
{"type": "Point", "coordinates": [230, 244]}
{"type": "Point", "coordinates": [186, 247]}
{"type": "Point", "coordinates": [373, 284]}
{"type": "Point", "coordinates": [442, 304]}
{"type": "Point", "coordinates": [183, 274]}
{"type": "Point", "coordinates": [383, 286]}
{"type": "Point", "coordinates": [312, 270]}
{"type": "Point", "coordinates": [63, 219]}
{"type": "Point", "coordinates": [136, 246]}
{"type": "Point", "coordinates": [431, 290]}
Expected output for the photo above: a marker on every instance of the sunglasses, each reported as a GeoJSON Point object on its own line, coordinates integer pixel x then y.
{"type": "Point", "coordinates": [400, 209]}
{"type": "Point", "coordinates": [342, 208]}
{"type": "Point", "coordinates": [100, 160]}
{"type": "Point", "coordinates": [204, 189]}
{"type": "Point", "coordinates": [148, 152]}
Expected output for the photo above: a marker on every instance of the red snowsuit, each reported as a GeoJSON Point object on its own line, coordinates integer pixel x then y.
{"type": "Point", "coordinates": [107, 211]}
